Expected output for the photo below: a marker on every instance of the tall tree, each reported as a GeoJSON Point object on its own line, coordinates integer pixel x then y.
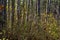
{"type": "Point", "coordinates": [38, 7]}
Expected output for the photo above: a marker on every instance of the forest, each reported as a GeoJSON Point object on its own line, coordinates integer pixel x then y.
{"type": "Point", "coordinates": [29, 19]}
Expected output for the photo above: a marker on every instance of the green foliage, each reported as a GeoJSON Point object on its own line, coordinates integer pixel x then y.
{"type": "Point", "coordinates": [25, 24]}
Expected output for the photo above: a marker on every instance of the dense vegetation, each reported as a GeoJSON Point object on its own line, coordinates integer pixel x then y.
{"type": "Point", "coordinates": [30, 20]}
